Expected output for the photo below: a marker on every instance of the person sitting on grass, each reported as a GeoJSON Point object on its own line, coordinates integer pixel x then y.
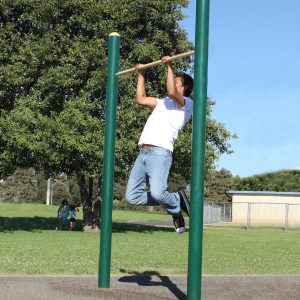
{"type": "Point", "coordinates": [62, 215]}
{"type": "Point", "coordinates": [72, 212]}
{"type": "Point", "coordinates": [153, 163]}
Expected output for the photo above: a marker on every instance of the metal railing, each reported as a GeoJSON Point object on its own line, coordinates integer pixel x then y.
{"type": "Point", "coordinates": [216, 212]}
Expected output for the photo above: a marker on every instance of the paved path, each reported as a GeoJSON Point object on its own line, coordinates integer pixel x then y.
{"type": "Point", "coordinates": [148, 287]}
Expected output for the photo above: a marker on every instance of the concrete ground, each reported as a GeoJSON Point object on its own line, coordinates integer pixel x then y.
{"type": "Point", "coordinates": [148, 287]}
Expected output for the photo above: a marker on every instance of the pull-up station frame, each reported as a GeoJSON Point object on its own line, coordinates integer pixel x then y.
{"type": "Point", "coordinates": [198, 152]}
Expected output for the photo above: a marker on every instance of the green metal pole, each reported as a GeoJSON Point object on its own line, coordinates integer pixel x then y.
{"type": "Point", "coordinates": [198, 151]}
{"type": "Point", "coordinates": [109, 160]}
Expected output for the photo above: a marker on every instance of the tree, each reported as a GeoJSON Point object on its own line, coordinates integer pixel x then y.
{"type": "Point", "coordinates": [52, 85]}
{"type": "Point", "coordinates": [52, 80]}
{"type": "Point", "coordinates": [22, 186]}
{"type": "Point", "coordinates": [218, 185]}
{"type": "Point", "coordinates": [280, 181]}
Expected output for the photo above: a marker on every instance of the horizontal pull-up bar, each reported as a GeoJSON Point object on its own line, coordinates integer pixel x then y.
{"type": "Point", "coordinates": [155, 63]}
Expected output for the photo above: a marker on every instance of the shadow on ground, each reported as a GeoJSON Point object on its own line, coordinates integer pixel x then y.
{"type": "Point", "coordinates": [43, 223]}
{"type": "Point", "coordinates": [152, 278]}
{"type": "Point", "coordinates": [27, 223]}
{"type": "Point", "coordinates": [126, 227]}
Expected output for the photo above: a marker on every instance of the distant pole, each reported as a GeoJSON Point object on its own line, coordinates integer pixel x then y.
{"type": "Point", "coordinates": [48, 195]}
{"type": "Point", "coordinates": [198, 151]}
{"type": "Point", "coordinates": [109, 160]}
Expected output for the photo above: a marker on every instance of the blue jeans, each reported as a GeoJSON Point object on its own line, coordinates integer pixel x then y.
{"type": "Point", "coordinates": [152, 165]}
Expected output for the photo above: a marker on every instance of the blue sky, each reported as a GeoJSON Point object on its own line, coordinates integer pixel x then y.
{"type": "Point", "coordinates": [254, 77]}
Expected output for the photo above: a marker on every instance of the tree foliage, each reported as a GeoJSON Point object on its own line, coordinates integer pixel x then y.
{"type": "Point", "coordinates": [22, 186]}
{"type": "Point", "coordinates": [280, 181]}
{"type": "Point", "coordinates": [216, 188]}
{"type": "Point", "coordinates": [52, 76]}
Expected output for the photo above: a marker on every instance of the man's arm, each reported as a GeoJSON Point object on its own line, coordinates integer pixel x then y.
{"type": "Point", "coordinates": [141, 96]}
{"type": "Point", "coordinates": [175, 88]}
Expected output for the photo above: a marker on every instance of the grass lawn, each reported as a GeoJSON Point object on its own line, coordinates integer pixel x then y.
{"type": "Point", "coordinates": [30, 245]}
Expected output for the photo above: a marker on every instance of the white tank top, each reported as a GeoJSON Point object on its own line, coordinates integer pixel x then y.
{"type": "Point", "coordinates": [165, 121]}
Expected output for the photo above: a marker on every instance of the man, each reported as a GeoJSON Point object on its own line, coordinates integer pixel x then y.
{"type": "Point", "coordinates": [154, 161]}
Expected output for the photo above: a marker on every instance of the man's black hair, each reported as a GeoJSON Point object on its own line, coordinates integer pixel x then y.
{"type": "Point", "coordinates": [188, 83]}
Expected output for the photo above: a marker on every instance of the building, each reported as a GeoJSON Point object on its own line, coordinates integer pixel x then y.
{"type": "Point", "coordinates": [265, 208]}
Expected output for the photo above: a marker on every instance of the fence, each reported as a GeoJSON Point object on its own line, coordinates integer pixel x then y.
{"type": "Point", "coordinates": [216, 212]}
{"type": "Point", "coordinates": [251, 215]}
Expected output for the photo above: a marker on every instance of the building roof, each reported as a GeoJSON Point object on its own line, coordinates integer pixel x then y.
{"type": "Point", "coordinates": [263, 193]}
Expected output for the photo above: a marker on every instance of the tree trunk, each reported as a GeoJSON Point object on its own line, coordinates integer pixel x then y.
{"type": "Point", "coordinates": [91, 213]}
{"type": "Point", "coordinates": [86, 199]}
{"type": "Point", "coordinates": [97, 206]}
